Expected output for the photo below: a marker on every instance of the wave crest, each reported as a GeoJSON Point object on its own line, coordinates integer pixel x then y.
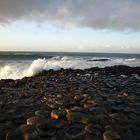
{"type": "Point", "coordinates": [20, 70]}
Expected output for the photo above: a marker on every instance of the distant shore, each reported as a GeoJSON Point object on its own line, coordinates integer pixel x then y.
{"type": "Point", "coordinates": [95, 103]}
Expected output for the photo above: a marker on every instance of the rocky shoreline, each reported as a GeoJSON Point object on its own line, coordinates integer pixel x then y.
{"type": "Point", "coordinates": [91, 104]}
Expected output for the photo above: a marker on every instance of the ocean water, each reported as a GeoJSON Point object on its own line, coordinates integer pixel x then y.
{"type": "Point", "coordinates": [16, 65]}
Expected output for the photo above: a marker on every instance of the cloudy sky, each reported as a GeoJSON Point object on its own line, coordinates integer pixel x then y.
{"type": "Point", "coordinates": [70, 25]}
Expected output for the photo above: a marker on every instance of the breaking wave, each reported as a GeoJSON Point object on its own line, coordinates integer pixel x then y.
{"type": "Point", "coordinates": [19, 70]}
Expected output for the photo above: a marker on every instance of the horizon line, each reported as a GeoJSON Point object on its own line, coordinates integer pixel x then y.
{"type": "Point", "coordinates": [69, 52]}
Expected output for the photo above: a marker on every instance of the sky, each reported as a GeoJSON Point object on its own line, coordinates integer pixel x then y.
{"type": "Point", "coordinates": [70, 25]}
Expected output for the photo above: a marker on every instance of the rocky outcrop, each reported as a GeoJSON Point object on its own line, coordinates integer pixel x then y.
{"type": "Point", "coordinates": [96, 103]}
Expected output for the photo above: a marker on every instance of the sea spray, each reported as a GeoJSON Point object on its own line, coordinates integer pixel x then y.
{"type": "Point", "coordinates": [37, 66]}
{"type": "Point", "coordinates": [17, 69]}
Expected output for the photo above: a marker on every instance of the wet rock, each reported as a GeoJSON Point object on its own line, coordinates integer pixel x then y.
{"type": "Point", "coordinates": [48, 132]}
{"type": "Point", "coordinates": [77, 109]}
{"type": "Point", "coordinates": [111, 135]}
{"type": "Point", "coordinates": [119, 117]}
{"type": "Point", "coordinates": [59, 138]}
{"type": "Point", "coordinates": [118, 128]}
{"type": "Point", "coordinates": [92, 101]}
{"type": "Point", "coordinates": [66, 101]}
{"type": "Point", "coordinates": [22, 95]}
{"type": "Point", "coordinates": [77, 117]}
{"type": "Point", "coordinates": [101, 97]}
{"type": "Point", "coordinates": [124, 94]}
{"type": "Point", "coordinates": [97, 110]}
{"type": "Point", "coordinates": [129, 110]}
{"type": "Point", "coordinates": [94, 129]}
{"type": "Point", "coordinates": [13, 135]}
{"type": "Point", "coordinates": [23, 132]}
{"type": "Point", "coordinates": [60, 124]}
{"type": "Point", "coordinates": [60, 132]}
{"type": "Point", "coordinates": [34, 120]}
{"type": "Point", "coordinates": [92, 137]}
{"type": "Point", "coordinates": [129, 136]}
{"type": "Point", "coordinates": [57, 114]}
{"type": "Point", "coordinates": [50, 127]}
{"type": "Point", "coordinates": [133, 118]}
{"type": "Point", "coordinates": [46, 129]}
{"type": "Point", "coordinates": [78, 97]}
{"type": "Point", "coordinates": [4, 127]}
{"type": "Point", "coordinates": [42, 113]}
{"type": "Point", "coordinates": [135, 128]}
{"type": "Point", "coordinates": [75, 131]}
{"type": "Point", "coordinates": [53, 106]}
{"type": "Point", "coordinates": [116, 109]}
{"type": "Point", "coordinates": [132, 99]}
{"type": "Point", "coordinates": [87, 105]}
{"type": "Point", "coordinates": [104, 119]}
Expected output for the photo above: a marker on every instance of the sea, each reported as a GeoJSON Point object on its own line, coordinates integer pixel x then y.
{"type": "Point", "coordinates": [16, 65]}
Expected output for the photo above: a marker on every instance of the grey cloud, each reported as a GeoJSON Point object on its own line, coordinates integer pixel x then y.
{"type": "Point", "coordinates": [98, 14]}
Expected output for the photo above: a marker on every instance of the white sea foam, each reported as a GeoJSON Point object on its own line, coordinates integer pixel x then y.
{"type": "Point", "coordinates": [136, 76]}
{"type": "Point", "coordinates": [131, 59]}
{"type": "Point", "coordinates": [36, 67]}
{"type": "Point", "coordinates": [27, 68]}
{"type": "Point", "coordinates": [18, 71]}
